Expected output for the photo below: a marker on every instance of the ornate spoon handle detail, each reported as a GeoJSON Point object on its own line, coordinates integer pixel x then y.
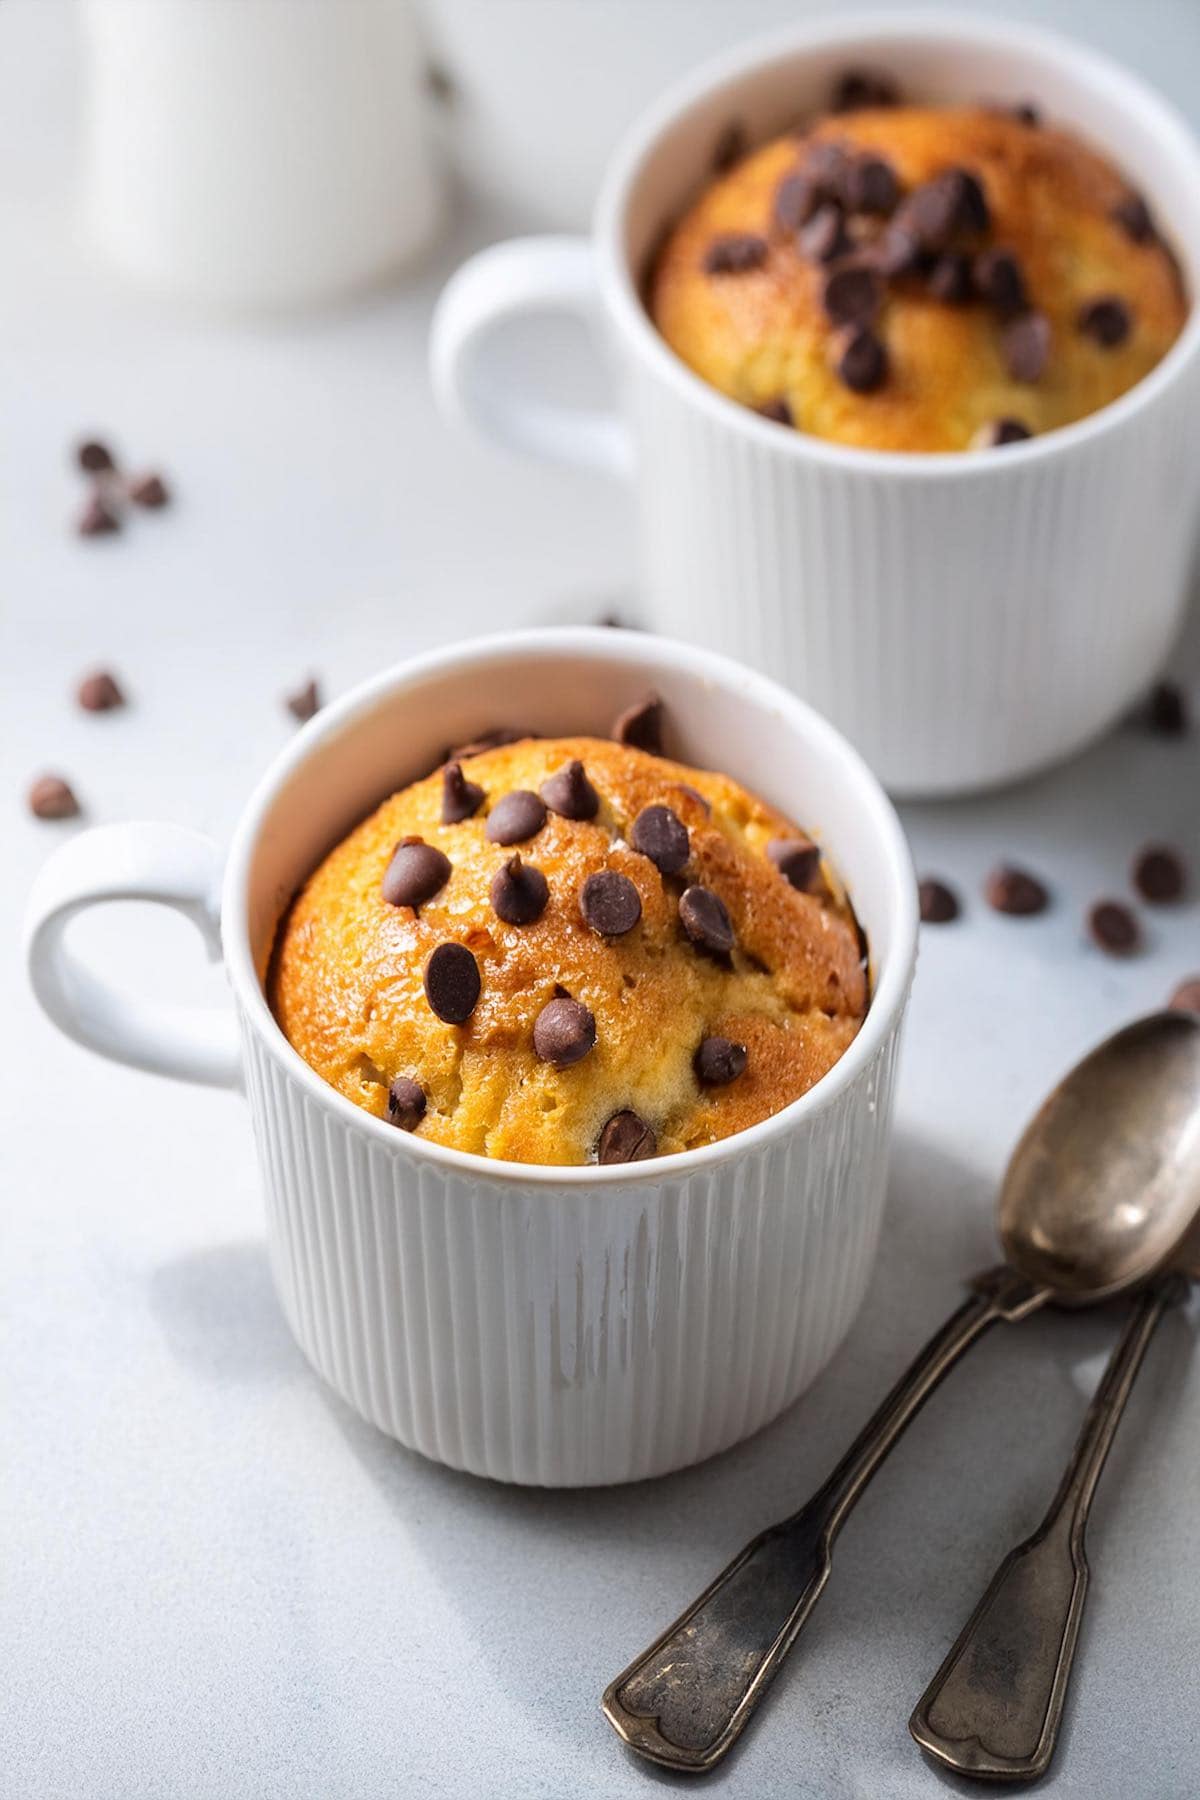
{"type": "Point", "coordinates": [687, 1698]}
{"type": "Point", "coordinates": [994, 1707]}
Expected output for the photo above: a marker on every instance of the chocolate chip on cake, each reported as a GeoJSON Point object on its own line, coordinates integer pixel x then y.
{"type": "Point", "coordinates": [625, 1139]}
{"type": "Point", "coordinates": [415, 874]}
{"type": "Point", "coordinates": [305, 703]}
{"type": "Point", "coordinates": [796, 199]}
{"type": "Point", "coordinates": [487, 740]}
{"type": "Point", "coordinates": [406, 1103]}
{"type": "Point", "coordinates": [150, 491]}
{"type": "Point", "coordinates": [1114, 928]}
{"type": "Point", "coordinates": [51, 797]}
{"type": "Point", "coordinates": [852, 295]}
{"type": "Point", "coordinates": [1025, 346]}
{"type": "Point", "coordinates": [998, 432]}
{"type": "Point", "coordinates": [869, 185]}
{"type": "Point", "coordinates": [777, 410]}
{"type": "Point", "coordinates": [1135, 218]}
{"type": "Point", "coordinates": [938, 903]}
{"type": "Point", "coordinates": [735, 254]}
{"type": "Point", "coordinates": [519, 892]}
{"type": "Point", "coordinates": [1106, 320]}
{"type": "Point", "coordinates": [998, 278]}
{"type": "Point", "coordinates": [1186, 997]}
{"type": "Point", "coordinates": [1015, 891]}
{"type": "Point", "coordinates": [661, 834]}
{"type": "Point", "coordinates": [97, 518]}
{"type": "Point", "coordinates": [861, 361]}
{"type": "Point", "coordinates": [569, 793]}
{"type": "Point", "coordinates": [858, 89]}
{"type": "Point", "coordinates": [950, 278]}
{"type": "Point", "coordinates": [824, 236]}
{"type": "Point", "coordinates": [564, 1032]}
{"type": "Point", "coordinates": [730, 147]}
{"type": "Point", "coordinates": [706, 920]}
{"type": "Point", "coordinates": [1159, 874]}
{"type": "Point", "coordinates": [797, 860]}
{"type": "Point", "coordinates": [94, 457]}
{"type": "Point", "coordinates": [896, 251]}
{"type": "Point", "coordinates": [610, 903]}
{"type": "Point", "coordinates": [641, 725]}
{"type": "Point", "coordinates": [99, 692]}
{"type": "Point", "coordinates": [1167, 710]}
{"type": "Point", "coordinates": [718, 1061]}
{"type": "Point", "coordinates": [516, 817]}
{"type": "Point", "coordinates": [452, 983]}
{"type": "Point", "coordinates": [933, 212]}
{"type": "Point", "coordinates": [461, 799]}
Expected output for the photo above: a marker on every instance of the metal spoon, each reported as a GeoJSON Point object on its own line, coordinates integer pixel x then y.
{"type": "Point", "coordinates": [1100, 1190]}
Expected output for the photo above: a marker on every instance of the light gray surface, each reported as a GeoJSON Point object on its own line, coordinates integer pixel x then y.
{"type": "Point", "coordinates": [218, 1582]}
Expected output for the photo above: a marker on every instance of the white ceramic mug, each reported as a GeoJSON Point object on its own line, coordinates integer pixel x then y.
{"type": "Point", "coordinates": [963, 619]}
{"type": "Point", "coordinates": [551, 1325]}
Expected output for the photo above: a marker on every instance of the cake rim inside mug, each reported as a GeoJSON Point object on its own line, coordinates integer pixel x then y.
{"type": "Point", "coordinates": [646, 654]}
{"type": "Point", "coordinates": [708, 97]}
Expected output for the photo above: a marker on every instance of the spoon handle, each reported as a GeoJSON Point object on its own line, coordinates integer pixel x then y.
{"type": "Point", "coordinates": [686, 1699]}
{"type": "Point", "coordinates": [994, 1707]}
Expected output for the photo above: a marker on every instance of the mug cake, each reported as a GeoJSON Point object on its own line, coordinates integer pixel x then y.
{"type": "Point", "coordinates": [571, 951]}
{"type": "Point", "coordinates": [919, 278]}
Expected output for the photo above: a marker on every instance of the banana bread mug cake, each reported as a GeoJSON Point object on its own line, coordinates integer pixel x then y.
{"type": "Point", "coordinates": [569, 951]}
{"type": "Point", "coordinates": [924, 278]}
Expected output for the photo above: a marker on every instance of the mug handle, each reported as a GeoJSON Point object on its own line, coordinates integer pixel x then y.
{"type": "Point", "coordinates": [522, 278]}
{"type": "Point", "coordinates": [164, 863]}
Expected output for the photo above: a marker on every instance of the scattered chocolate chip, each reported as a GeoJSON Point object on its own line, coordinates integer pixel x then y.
{"type": "Point", "coordinates": [797, 860]}
{"type": "Point", "coordinates": [1114, 928]}
{"type": "Point", "coordinates": [452, 983]}
{"type": "Point", "coordinates": [516, 817]}
{"type": "Point", "coordinates": [95, 457]}
{"type": "Point", "coordinates": [519, 892]}
{"type": "Point", "coordinates": [406, 1103]}
{"type": "Point", "coordinates": [719, 1061]}
{"type": "Point", "coordinates": [938, 903]}
{"type": "Point", "coordinates": [896, 251]}
{"type": "Point", "coordinates": [1106, 320]}
{"type": "Point", "coordinates": [487, 740]}
{"type": "Point", "coordinates": [51, 797]}
{"type": "Point", "coordinates": [932, 210]}
{"type": "Point", "coordinates": [150, 491]}
{"type": "Point", "coordinates": [695, 794]}
{"type": "Point", "coordinates": [998, 432]}
{"type": "Point", "coordinates": [1025, 346]}
{"type": "Point", "coordinates": [461, 799]}
{"type": "Point", "coordinates": [706, 920]}
{"type": "Point", "coordinates": [826, 162]}
{"type": "Point", "coordinates": [852, 295]}
{"type": "Point", "coordinates": [440, 84]}
{"type": "Point", "coordinates": [1167, 710]}
{"type": "Point", "coordinates": [796, 199]}
{"type": "Point", "coordinates": [610, 903]}
{"type": "Point", "coordinates": [862, 361]}
{"type": "Point", "coordinates": [625, 1139]}
{"type": "Point", "coordinates": [1186, 997]}
{"type": "Point", "coordinates": [564, 1032]}
{"type": "Point", "coordinates": [98, 692]}
{"type": "Point", "coordinates": [870, 186]}
{"type": "Point", "coordinates": [861, 88]}
{"type": "Point", "coordinates": [950, 278]}
{"type": "Point", "coordinates": [641, 725]}
{"type": "Point", "coordinates": [1135, 218]}
{"type": "Point", "coordinates": [569, 793]}
{"type": "Point", "coordinates": [735, 254]}
{"type": "Point", "coordinates": [661, 834]}
{"type": "Point", "coordinates": [730, 147]}
{"type": "Point", "coordinates": [778, 411]}
{"type": "Point", "coordinates": [1015, 891]}
{"type": "Point", "coordinates": [973, 211]}
{"type": "Point", "coordinates": [1159, 874]}
{"type": "Point", "coordinates": [999, 279]}
{"type": "Point", "coordinates": [824, 236]}
{"type": "Point", "coordinates": [97, 518]}
{"type": "Point", "coordinates": [305, 703]}
{"type": "Point", "coordinates": [1024, 112]}
{"type": "Point", "coordinates": [415, 874]}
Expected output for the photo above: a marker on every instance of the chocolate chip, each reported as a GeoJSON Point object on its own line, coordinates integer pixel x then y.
{"type": "Point", "coordinates": [95, 457]}
{"type": "Point", "coordinates": [610, 903]}
{"type": "Point", "coordinates": [1167, 710]}
{"type": "Point", "coordinates": [938, 903]}
{"type": "Point", "coordinates": [1024, 112]}
{"type": "Point", "coordinates": [305, 703]}
{"type": "Point", "coordinates": [998, 432]}
{"type": "Point", "coordinates": [730, 147]}
{"type": "Point", "coordinates": [869, 185]}
{"type": "Point", "coordinates": [824, 237]}
{"type": "Point", "coordinates": [661, 834]}
{"type": "Point", "coordinates": [51, 797]}
{"type": "Point", "coordinates": [569, 793]}
{"type": "Point", "coordinates": [778, 411]}
{"type": "Point", "coordinates": [452, 983]}
{"type": "Point", "coordinates": [1159, 874]}
{"type": "Point", "coordinates": [625, 1139]}
{"type": "Point", "coordinates": [826, 162]}
{"type": "Point", "coordinates": [1114, 928]}
{"type": "Point", "coordinates": [852, 295]}
{"type": "Point", "coordinates": [98, 692]}
{"type": "Point", "coordinates": [461, 799]}
{"type": "Point", "coordinates": [406, 1103]}
{"type": "Point", "coordinates": [797, 860]}
{"type": "Point", "coordinates": [862, 361]}
{"type": "Point", "coordinates": [735, 254]}
{"type": "Point", "coordinates": [1135, 218]}
{"type": "Point", "coordinates": [896, 251]}
{"type": "Point", "coordinates": [796, 199]}
{"type": "Point", "coordinates": [150, 491]}
{"type": "Point", "coordinates": [641, 725]}
{"type": "Point", "coordinates": [1106, 320]}
{"type": "Point", "coordinates": [564, 1032]}
{"type": "Point", "coordinates": [932, 210]}
{"type": "Point", "coordinates": [1015, 891]}
{"type": "Point", "coordinates": [1025, 346]}
{"type": "Point", "coordinates": [1186, 997]}
{"type": "Point", "coordinates": [415, 874]}
{"type": "Point", "coordinates": [998, 279]}
{"type": "Point", "coordinates": [516, 817]}
{"type": "Point", "coordinates": [706, 920]}
{"type": "Point", "coordinates": [950, 279]}
{"type": "Point", "coordinates": [973, 211]}
{"type": "Point", "coordinates": [97, 519]}
{"type": "Point", "coordinates": [487, 740]}
{"type": "Point", "coordinates": [519, 892]}
{"type": "Point", "coordinates": [861, 88]}
{"type": "Point", "coordinates": [719, 1061]}
{"type": "Point", "coordinates": [695, 794]}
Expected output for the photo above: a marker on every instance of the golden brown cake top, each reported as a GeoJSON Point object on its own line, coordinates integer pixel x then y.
{"type": "Point", "coordinates": [568, 951]}
{"type": "Point", "coordinates": [927, 278]}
